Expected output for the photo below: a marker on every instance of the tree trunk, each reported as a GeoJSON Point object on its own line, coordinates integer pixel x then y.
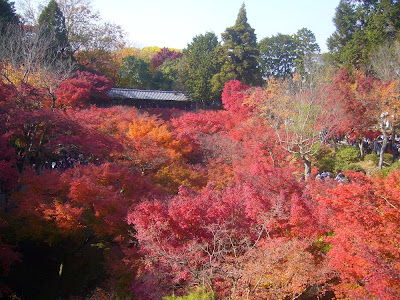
{"type": "Point", "coordinates": [307, 167]}
{"type": "Point", "coordinates": [334, 143]}
{"type": "Point", "coordinates": [361, 146]}
{"type": "Point", "coordinates": [394, 147]}
{"type": "Point", "coordinates": [383, 148]}
{"type": "Point", "coordinates": [53, 102]}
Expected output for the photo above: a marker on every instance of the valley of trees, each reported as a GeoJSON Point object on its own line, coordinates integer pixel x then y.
{"type": "Point", "coordinates": [283, 183]}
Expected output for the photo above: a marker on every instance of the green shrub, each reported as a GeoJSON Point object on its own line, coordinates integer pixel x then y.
{"type": "Point", "coordinates": [326, 164]}
{"type": "Point", "coordinates": [322, 245]}
{"type": "Point", "coordinates": [348, 155]}
{"type": "Point", "coordinates": [386, 171]}
{"type": "Point", "coordinates": [199, 294]}
{"type": "Point", "coordinates": [324, 159]}
{"type": "Point", "coordinates": [372, 157]}
{"type": "Point", "coordinates": [355, 167]}
{"type": "Point", "coordinates": [341, 166]}
{"type": "Point", "coordinates": [388, 158]}
{"type": "Point", "coordinates": [369, 166]}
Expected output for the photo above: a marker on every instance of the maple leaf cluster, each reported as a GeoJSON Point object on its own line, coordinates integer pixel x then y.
{"type": "Point", "coordinates": [80, 88]}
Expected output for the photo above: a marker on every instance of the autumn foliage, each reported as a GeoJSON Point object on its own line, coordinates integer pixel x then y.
{"type": "Point", "coordinates": [126, 203]}
{"type": "Point", "coordinates": [163, 55]}
{"type": "Point", "coordinates": [80, 88]}
{"type": "Point", "coordinates": [233, 96]}
{"type": "Point", "coordinates": [363, 217]}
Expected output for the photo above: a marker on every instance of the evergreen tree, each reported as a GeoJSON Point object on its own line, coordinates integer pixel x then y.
{"type": "Point", "coordinates": [283, 55]}
{"type": "Point", "coordinates": [168, 76]}
{"type": "Point", "coordinates": [7, 13]}
{"type": "Point", "coordinates": [239, 54]}
{"type": "Point", "coordinates": [360, 28]}
{"type": "Point", "coordinates": [348, 22]}
{"type": "Point", "coordinates": [278, 55]}
{"type": "Point", "coordinates": [134, 72]}
{"type": "Point", "coordinates": [306, 48]}
{"type": "Point", "coordinates": [53, 23]}
{"type": "Point", "coordinates": [201, 65]}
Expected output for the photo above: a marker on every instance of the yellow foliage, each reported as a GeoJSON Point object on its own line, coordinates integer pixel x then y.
{"type": "Point", "coordinates": [220, 175]}
{"type": "Point", "coordinates": [172, 176]}
{"type": "Point", "coordinates": [149, 128]}
{"type": "Point", "coordinates": [17, 75]}
{"type": "Point", "coordinates": [147, 53]}
{"type": "Point", "coordinates": [154, 143]}
{"type": "Point", "coordinates": [273, 101]}
{"type": "Point", "coordinates": [127, 51]}
{"type": "Point", "coordinates": [390, 94]}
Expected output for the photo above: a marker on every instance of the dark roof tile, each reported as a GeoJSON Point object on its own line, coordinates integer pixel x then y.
{"type": "Point", "coordinates": [147, 95]}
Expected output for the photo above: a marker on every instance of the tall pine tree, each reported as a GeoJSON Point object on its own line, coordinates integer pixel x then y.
{"type": "Point", "coordinates": [239, 54]}
{"type": "Point", "coordinates": [52, 21]}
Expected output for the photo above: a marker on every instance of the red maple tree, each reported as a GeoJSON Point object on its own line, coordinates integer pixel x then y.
{"type": "Point", "coordinates": [80, 88]}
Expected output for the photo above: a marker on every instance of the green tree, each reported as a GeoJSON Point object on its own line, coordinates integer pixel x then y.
{"type": "Point", "coordinates": [306, 42]}
{"type": "Point", "coordinates": [345, 22]}
{"type": "Point", "coordinates": [134, 72]}
{"type": "Point", "coordinates": [278, 56]}
{"type": "Point", "coordinates": [306, 47]}
{"type": "Point", "coordinates": [346, 44]}
{"type": "Point", "coordinates": [168, 76]}
{"type": "Point", "coordinates": [361, 26]}
{"type": "Point", "coordinates": [7, 13]}
{"type": "Point", "coordinates": [239, 54]}
{"type": "Point", "coordinates": [53, 22]}
{"type": "Point", "coordinates": [283, 55]}
{"type": "Point", "coordinates": [200, 65]}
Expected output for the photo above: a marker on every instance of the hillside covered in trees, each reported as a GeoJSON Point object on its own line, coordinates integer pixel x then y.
{"type": "Point", "coordinates": [289, 188]}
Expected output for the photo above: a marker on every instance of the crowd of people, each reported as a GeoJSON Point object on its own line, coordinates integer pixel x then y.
{"type": "Point", "coordinates": [64, 161]}
{"type": "Point", "coordinates": [375, 146]}
{"type": "Point", "coordinates": [339, 177]}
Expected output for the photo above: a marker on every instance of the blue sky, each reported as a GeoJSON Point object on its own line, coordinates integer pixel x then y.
{"type": "Point", "coordinates": [174, 23]}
